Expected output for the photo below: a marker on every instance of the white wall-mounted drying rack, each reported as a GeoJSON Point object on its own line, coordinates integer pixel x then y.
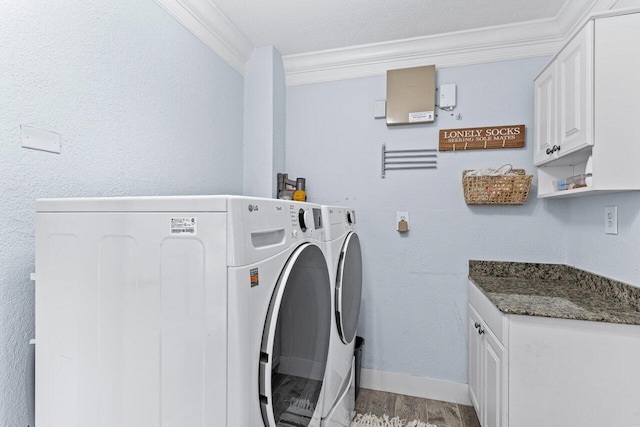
{"type": "Point", "coordinates": [408, 159]}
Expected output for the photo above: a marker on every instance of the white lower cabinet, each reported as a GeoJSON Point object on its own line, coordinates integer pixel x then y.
{"type": "Point", "coordinates": [494, 362]}
{"type": "Point", "coordinates": [528, 371]}
{"type": "Point", "coordinates": [487, 372]}
{"type": "Point", "coordinates": [475, 352]}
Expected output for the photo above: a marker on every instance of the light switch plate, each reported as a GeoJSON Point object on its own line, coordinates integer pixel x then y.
{"type": "Point", "coordinates": [611, 220]}
{"type": "Point", "coordinates": [39, 139]}
{"type": "Point", "coordinates": [448, 96]}
{"type": "Point", "coordinates": [380, 109]}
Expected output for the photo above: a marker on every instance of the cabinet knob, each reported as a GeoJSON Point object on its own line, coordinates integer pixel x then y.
{"type": "Point", "coordinates": [549, 151]}
{"type": "Point", "coordinates": [476, 325]}
{"type": "Point", "coordinates": [480, 331]}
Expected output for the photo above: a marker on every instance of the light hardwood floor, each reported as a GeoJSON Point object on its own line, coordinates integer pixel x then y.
{"type": "Point", "coordinates": [442, 414]}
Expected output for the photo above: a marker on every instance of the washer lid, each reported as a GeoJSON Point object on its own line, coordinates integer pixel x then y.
{"type": "Point", "coordinates": [349, 288]}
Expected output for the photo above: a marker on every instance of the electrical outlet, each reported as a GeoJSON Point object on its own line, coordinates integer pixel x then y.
{"type": "Point", "coordinates": [611, 220]}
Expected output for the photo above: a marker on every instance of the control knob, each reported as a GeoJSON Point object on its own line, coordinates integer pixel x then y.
{"type": "Point", "coordinates": [303, 219]}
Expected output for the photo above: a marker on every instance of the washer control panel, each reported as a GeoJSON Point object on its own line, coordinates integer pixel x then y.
{"type": "Point", "coordinates": [304, 220]}
{"type": "Point", "coordinates": [293, 213]}
{"type": "Point", "coordinates": [259, 228]}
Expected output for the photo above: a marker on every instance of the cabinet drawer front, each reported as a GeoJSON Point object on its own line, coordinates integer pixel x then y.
{"type": "Point", "coordinates": [493, 317]}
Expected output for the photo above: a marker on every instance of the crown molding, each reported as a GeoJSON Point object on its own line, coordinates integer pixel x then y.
{"type": "Point", "coordinates": [574, 14]}
{"type": "Point", "coordinates": [498, 43]}
{"type": "Point", "coordinates": [451, 50]}
{"type": "Point", "coordinates": [207, 22]}
{"type": "Point", "coordinates": [529, 39]}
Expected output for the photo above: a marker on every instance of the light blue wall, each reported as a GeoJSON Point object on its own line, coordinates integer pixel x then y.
{"type": "Point", "coordinates": [143, 108]}
{"type": "Point", "coordinates": [264, 115]}
{"type": "Point", "coordinates": [414, 314]}
{"type": "Point", "coordinates": [589, 248]}
{"type": "Point", "coordinates": [279, 116]}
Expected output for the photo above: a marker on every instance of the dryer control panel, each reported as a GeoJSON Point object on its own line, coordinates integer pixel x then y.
{"type": "Point", "coordinates": [338, 220]}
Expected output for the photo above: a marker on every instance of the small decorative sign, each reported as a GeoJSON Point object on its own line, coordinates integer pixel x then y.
{"type": "Point", "coordinates": [482, 138]}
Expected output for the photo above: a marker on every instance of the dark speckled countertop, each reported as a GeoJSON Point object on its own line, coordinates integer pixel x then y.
{"type": "Point", "coordinates": [555, 290]}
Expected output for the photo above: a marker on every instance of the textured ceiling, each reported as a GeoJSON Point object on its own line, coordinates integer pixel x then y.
{"type": "Point", "coordinates": [298, 26]}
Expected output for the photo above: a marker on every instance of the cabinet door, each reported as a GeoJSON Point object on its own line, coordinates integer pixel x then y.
{"type": "Point", "coordinates": [494, 386]}
{"type": "Point", "coordinates": [617, 92]}
{"type": "Point", "coordinates": [575, 90]}
{"type": "Point", "coordinates": [475, 350]}
{"type": "Point", "coordinates": [545, 116]}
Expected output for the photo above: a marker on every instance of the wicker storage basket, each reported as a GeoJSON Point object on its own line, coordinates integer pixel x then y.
{"type": "Point", "coordinates": [496, 190]}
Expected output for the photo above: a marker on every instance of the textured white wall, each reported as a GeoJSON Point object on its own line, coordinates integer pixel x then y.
{"type": "Point", "coordinates": [414, 313]}
{"type": "Point", "coordinates": [144, 108]}
{"type": "Point", "coordinates": [264, 117]}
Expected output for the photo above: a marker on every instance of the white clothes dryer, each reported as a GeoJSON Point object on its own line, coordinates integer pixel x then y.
{"type": "Point", "coordinates": [343, 252]}
{"type": "Point", "coordinates": [174, 311]}
{"type": "Point", "coordinates": [288, 317]}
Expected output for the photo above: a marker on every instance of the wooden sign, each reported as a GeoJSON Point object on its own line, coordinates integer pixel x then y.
{"type": "Point", "coordinates": [482, 138]}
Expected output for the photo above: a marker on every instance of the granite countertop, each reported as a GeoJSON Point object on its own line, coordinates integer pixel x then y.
{"type": "Point", "coordinates": [556, 290]}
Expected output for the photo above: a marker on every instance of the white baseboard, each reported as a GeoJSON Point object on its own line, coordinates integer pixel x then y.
{"type": "Point", "coordinates": [429, 388]}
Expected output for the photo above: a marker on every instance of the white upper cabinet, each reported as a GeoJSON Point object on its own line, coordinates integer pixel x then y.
{"type": "Point", "coordinates": [586, 108]}
{"type": "Point", "coordinates": [564, 100]}
{"type": "Point", "coordinates": [575, 91]}
{"type": "Point", "coordinates": [546, 129]}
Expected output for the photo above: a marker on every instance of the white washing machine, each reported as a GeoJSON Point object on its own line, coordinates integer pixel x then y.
{"type": "Point", "coordinates": [175, 311]}
{"type": "Point", "coordinates": [342, 249]}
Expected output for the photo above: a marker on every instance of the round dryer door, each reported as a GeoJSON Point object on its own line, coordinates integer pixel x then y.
{"type": "Point", "coordinates": [349, 288]}
{"type": "Point", "coordinates": [295, 341]}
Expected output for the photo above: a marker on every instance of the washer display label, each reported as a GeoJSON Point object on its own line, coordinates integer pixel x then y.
{"type": "Point", "coordinates": [184, 225]}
